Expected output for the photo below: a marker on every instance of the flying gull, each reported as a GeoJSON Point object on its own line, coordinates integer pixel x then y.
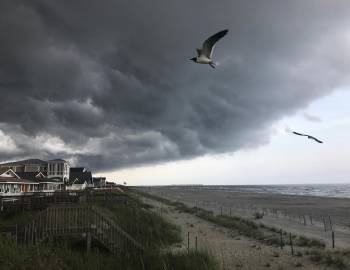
{"type": "Point", "coordinates": [205, 54]}
{"type": "Point", "coordinates": [308, 136]}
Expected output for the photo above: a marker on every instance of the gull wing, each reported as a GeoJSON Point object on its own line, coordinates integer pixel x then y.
{"type": "Point", "coordinates": [300, 134]}
{"type": "Point", "coordinates": [315, 139]}
{"type": "Point", "coordinates": [209, 43]}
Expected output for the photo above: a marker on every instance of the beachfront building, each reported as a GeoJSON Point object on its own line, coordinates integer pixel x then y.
{"type": "Point", "coordinates": [58, 168]}
{"type": "Point", "coordinates": [35, 175]}
{"type": "Point", "coordinates": [12, 184]}
{"type": "Point", "coordinates": [110, 184]}
{"type": "Point", "coordinates": [27, 165]}
{"type": "Point", "coordinates": [50, 184]}
{"type": "Point", "coordinates": [55, 168]}
{"type": "Point", "coordinates": [99, 182]}
{"type": "Point", "coordinates": [79, 179]}
{"type": "Point", "coordinates": [20, 183]}
{"type": "Point", "coordinates": [45, 184]}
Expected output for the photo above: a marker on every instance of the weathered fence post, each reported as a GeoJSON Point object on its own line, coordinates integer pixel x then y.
{"type": "Point", "coordinates": [310, 216]}
{"type": "Point", "coordinates": [196, 243]}
{"type": "Point", "coordinates": [33, 230]}
{"type": "Point", "coordinates": [291, 243]}
{"type": "Point", "coordinates": [16, 235]}
{"type": "Point", "coordinates": [88, 242]}
{"type": "Point", "coordinates": [324, 224]}
{"type": "Point", "coordinates": [25, 235]}
{"type": "Point", "coordinates": [330, 223]}
{"type": "Point", "coordinates": [304, 220]}
{"type": "Point", "coordinates": [281, 239]}
{"type": "Point", "coordinates": [332, 239]}
{"type": "Point", "coordinates": [188, 242]}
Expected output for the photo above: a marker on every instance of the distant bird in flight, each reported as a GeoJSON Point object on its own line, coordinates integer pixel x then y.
{"type": "Point", "coordinates": [205, 54]}
{"type": "Point", "coordinates": [308, 136]}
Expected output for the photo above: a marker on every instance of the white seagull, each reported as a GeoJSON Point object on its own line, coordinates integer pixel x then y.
{"type": "Point", "coordinates": [205, 54]}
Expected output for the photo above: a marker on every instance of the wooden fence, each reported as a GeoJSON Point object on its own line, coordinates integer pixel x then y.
{"type": "Point", "coordinates": [67, 220]}
{"type": "Point", "coordinates": [40, 201]}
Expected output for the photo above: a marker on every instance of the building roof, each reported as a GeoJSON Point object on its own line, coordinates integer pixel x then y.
{"type": "Point", "coordinates": [6, 172]}
{"type": "Point", "coordinates": [15, 180]}
{"type": "Point", "coordinates": [111, 184]}
{"type": "Point", "coordinates": [2, 170]}
{"type": "Point", "coordinates": [80, 177]}
{"type": "Point", "coordinates": [26, 162]}
{"type": "Point", "coordinates": [98, 180]}
{"type": "Point", "coordinates": [77, 169]}
{"type": "Point", "coordinates": [57, 160]}
{"type": "Point", "coordinates": [32, 176]}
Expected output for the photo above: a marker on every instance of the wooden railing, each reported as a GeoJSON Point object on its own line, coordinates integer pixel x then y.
{"type": "Point", "coordinates": [66, 220]}
{"type": "Point", "coordinates": [40, 201]}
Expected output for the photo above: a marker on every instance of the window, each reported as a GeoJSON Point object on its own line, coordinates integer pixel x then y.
{"type": "Point", "coordinates": [60, 168]}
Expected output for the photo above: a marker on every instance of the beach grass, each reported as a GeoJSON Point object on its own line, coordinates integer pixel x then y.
{"type": "Point", "coordinates": [330, 259]}
{"type": "Point", "coordinates": [61, 256]}
{"type": "Point", "coordinates": [146, 227]}
{"type": "Point", "coordinates": [313, 248]}
{"type": "Point", "coordinates": [150, 229]}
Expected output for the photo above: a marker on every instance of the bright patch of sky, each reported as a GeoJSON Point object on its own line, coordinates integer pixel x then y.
{"type": "Point", "coordinates": [287, 159]}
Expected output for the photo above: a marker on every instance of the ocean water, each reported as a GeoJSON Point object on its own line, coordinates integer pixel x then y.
{"type": "Point", "coordinates": [323, 190]}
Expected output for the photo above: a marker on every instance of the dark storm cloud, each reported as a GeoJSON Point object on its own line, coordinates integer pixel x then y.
{"type": "Point", "coordinates": [108, 83]}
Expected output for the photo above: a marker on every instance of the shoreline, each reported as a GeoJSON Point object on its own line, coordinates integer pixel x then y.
{"type": "Point", "coordinates": [259, 189]}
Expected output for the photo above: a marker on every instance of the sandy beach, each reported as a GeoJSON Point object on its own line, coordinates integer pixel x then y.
{"type": "Point", "coordinates": [303, 215]}
{"type": "Point", "coordinates": [231, 250]}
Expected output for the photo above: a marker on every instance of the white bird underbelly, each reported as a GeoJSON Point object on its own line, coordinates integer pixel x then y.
{"type": "Point", "coordinates": [203, 60]}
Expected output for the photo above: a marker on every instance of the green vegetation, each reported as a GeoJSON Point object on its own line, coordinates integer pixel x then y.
{"type": "Point", "coordinates": [155, 233]}
{"type": "Point", "coordinates": [258, 215]}
{"type": "Point", "coordinates": [18, 218]}
{"type": "Point", "coordinates": [303, 241]}
{"type": "Point", "coordinates": [330, 259]}
{"type": "Point", "coordinates": [62, 257]}
{"type": "Point", "coordinates": [146, 227]}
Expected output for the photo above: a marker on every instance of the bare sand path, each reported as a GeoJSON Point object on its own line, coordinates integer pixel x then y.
{"type": "Point", "coordinates": [230, 249]}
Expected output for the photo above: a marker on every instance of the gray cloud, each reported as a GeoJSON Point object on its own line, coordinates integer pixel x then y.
{"type": "Point", "coordinates": [108, 84]}
{"type": "Point", "coordinates": [311, 118]}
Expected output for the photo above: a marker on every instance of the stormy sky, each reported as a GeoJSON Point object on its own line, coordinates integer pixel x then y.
{"type": "Point", "coordinates": [108, 84]}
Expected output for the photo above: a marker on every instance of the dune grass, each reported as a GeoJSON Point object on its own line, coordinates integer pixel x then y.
{"type": "Point", "coordinates": [69, 252]}
{"type": "Point", "coordinates": [146, 227]}
{"type": "Point", "coordinates": [313, 248]}
{"type": "Point", "coordinates": [330, 259]}
{"type": "Point", "coordinates": [62, 257]}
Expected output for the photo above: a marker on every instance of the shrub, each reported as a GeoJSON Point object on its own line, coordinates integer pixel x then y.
{"type": "Point", "coordinates": [327, 258]}
{"type": "Point", "coordinates": [258, 215]}
{"type": "Point", "coordinates": [303, 241]}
